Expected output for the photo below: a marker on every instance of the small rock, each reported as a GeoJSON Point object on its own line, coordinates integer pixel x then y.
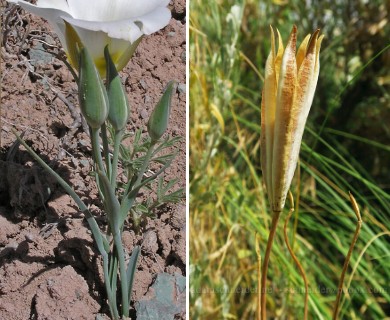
{"type": "Point", "coordinates": [147, 99]}
{"type": "Point", "coordinates": [75, 162]}
{"type": "Point", "coordinates": [83, 143]}
{"type": "Point", "coordinates": [84, 163]}
{"type": "Point", "coordinates": [150, 244]}
{"type": "Point", "coordinates": [29, 237]}
{"type": "Point", "coordinates": [181, 88]}
{"type": "Point", "coordinates": [50, 40]}
{"type": "Point", "coordinates": [143, 84]}
{"type": "Point", "coordinates": [165, 299]}
{"type": "Point", "coordinates": [144, 114]}
{"type": "Point", "coordinates": [183, 56]}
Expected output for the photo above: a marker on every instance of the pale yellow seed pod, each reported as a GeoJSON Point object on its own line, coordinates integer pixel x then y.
{"type": "Point", "coordinates": [289, 86]}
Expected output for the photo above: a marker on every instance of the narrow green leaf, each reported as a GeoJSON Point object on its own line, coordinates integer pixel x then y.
{"type": "Point", "coordinates": [111, 202]}
{"type": "Point", "coordinates": [131, 268]}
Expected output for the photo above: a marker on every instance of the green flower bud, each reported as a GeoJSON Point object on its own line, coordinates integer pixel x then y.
{"type": "Point", "coordinates": [92, 94]}
{"type": "Point", "coordinates": [158, 121]}
{"type": "Point", "coordinates": [118, 104]}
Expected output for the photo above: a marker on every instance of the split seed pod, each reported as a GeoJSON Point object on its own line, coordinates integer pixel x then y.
{"type": "Point", "coordinates": [289, 86]}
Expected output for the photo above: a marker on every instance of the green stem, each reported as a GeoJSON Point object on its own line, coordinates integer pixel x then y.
{"type": "Point", "coordinates": [96, 149]}
{"type": "Point", "coordinates": [97, 158]}
{"type": "Point", "coordinates": [131, 186]}
{"type": "Point", "coordinates": [111, 294]}
{"type": "Point", "coordinates": [144, 165]}
{"type": "Point", "coordinates": [115, 160]}
{"type": "Point", "coordinates": [90, 219]}
{"type": "Point", "coordinates": [122, 270]}
{"type": "Point", "coordinates": [106, 150]}
{"type": "Point", "coordinates": [113, 275]}
{"type": "Point", "coordinates": [263, 289]}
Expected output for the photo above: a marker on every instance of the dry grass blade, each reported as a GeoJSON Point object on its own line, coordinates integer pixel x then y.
{"type": "Point", "coordinates": [348, 257]}
{"type": "Point", "coordinates": [301, 270]}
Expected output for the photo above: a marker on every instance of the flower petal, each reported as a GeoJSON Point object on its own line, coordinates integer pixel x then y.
{"type": "Point", "coordinates": [103, 10]}
{"type": "Point", "coordinates": [116, 23]}
{"type": "Point", "coordinates": [52, 14]}
{"type": "Point", "coordinates": [53, 4]}
{"type": "Point", "coordinates": [127, 29]}
{"type": "Point", "coordinates": [74, 45]}
{"type": "Point", "coordinates": [154, 20]}
{"type": "Point", "coordinates": [124, 29]}
{"type": "Point", "coordinates": [120, 50]}
{"type": "Point", "coordinates": [126, 55]}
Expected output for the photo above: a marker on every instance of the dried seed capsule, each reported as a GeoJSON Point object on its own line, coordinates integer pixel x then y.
{"type": "Point", "coordinates": [289, 86]}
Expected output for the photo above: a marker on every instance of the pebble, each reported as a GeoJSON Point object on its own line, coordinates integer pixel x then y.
{"type": "Point", "coordinates": [29, 237]}
{"type": "Point", "coordinates": [144, 114]}
{"type": "Point", "coordinates": [181, 88]}
{"type": "Point", "coordinates": [147, 99]}
{"type": "Point", "coordinates": [150, 242]}
{"type": "Point", "coordinates": [183, 56]}
{"type": "Point", "coordinates": [143, 84]}
{"type": "Point", "coordinates": [83, 143]}
{"type": "Point", "coordinates": [84, 163]}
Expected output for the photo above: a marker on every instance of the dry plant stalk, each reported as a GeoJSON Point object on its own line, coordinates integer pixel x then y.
{"type": "Point", "coordinates": [289, 86]}
{"type": "Point", "coordinates": [258, 253]}
{"type": "Point", "coordinates": [348, 257]}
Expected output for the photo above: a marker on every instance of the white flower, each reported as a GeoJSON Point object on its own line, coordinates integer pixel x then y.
{"type": "Point", "coordinates": [120, 24]}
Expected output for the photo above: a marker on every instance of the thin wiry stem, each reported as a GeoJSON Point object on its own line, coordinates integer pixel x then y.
{"type": "Point", "coordinates": [298, 198]}
{"type": "Point", "coordinates": [258, 253]}
{"type": "Point", "coordinates": [348, 257]}
{"type": "Point", "coordinates": [264, 271]}
{"type": "Point", "coordinates": [302, 272]}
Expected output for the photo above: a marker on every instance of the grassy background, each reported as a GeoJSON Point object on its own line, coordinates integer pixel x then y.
{"type": "Point", "coordinates": [346, 146]}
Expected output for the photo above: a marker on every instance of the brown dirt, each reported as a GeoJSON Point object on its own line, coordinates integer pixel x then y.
{"type": "Point", "coordinates": [49, 266]}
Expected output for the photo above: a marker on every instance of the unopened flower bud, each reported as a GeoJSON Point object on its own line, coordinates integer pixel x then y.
{"type": "Point", "coordinates": [158, 121]}
{"type": "Point", "coordinates": [92, 93]}
{"type": "Point", "coordinates": [118, 113]}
